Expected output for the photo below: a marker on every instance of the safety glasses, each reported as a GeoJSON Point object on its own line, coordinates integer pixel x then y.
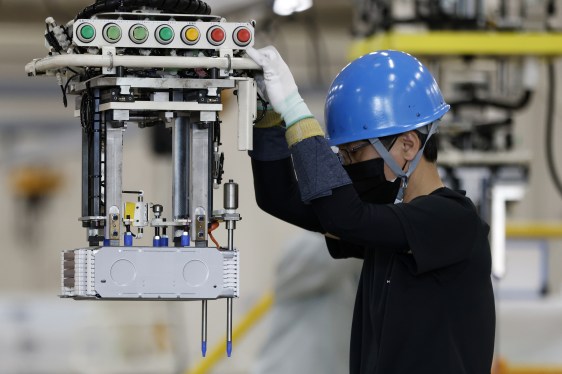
{"type": "Point", "coordinates": [348, 155]}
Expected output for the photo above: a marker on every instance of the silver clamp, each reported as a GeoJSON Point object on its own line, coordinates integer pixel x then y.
{"type": "Point", "coordinates": [229, 66]}
{"type": "Point", "coordinates": [110, 60]}
{"type": "Point", "coordinates": [110, 52]}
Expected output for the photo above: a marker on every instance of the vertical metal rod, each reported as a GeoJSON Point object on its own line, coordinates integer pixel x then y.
{"type": "Point", "coordinates": [230, 206]}
{"type": "Point", "coordinates": [229, 302]}
{"type": "Point", "coordinates": [180, 176]}
{"type": "Point", "coordinates": [113, 183]}
{"type": "Point", "coordinates": [204, 329]}
{"type": "Point", "coordinates": [230, 239]}
{"type": "Point", "coordinates": [229, 326]}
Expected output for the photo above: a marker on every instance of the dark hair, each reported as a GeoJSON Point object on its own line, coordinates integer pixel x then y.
{"type": "Point", "coordinates": [431, 146]}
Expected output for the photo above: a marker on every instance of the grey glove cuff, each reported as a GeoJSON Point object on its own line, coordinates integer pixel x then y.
{"type": "Point", "coordinates": [269, 144]}
{"type": "Point", "coordinates": [318, 169]}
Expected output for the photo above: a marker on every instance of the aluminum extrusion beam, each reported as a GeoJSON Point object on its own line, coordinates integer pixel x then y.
{"type": "Point", "coordinates": [200, 180]}
{"type": "Point", "coordinates": [113, 182]}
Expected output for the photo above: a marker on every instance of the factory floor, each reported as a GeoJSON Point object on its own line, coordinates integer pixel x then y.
{"type": "Point", "coordinates": [504, 368]}
{"type": "Point", "coordinates": [43, 334]}
{"type": "Point", "coordinates": [529, 336]}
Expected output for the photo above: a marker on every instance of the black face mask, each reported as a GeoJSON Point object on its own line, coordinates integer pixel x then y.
{"type": "Point", "coordinates": [370, 183]}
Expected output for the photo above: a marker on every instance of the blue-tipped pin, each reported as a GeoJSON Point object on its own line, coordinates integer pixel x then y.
{"type": "Point", "coordinates": [229, 348]}
{"type": "Point", "coordinates": [204, 348]}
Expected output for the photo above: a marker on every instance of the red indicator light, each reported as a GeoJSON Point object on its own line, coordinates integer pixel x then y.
{"type": "Point", "coordinates": [243, 35]}
{"type": "Point", "coordinates": [216, 35]}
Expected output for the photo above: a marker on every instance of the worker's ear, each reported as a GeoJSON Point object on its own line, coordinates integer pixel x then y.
{"type": "Point", "coordinates": [410, 144]}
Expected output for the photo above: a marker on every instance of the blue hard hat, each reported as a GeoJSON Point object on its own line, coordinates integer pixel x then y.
{"type": "Point", "coordinates": [379, 94]}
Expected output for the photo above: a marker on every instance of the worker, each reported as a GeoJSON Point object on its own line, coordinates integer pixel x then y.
{"type": "Point", "coordinates": [310, 319]}
{"type": "Point", "coordinates": [425, 301]}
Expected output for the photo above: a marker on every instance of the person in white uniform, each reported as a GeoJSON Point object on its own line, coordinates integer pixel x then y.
{"type": "Point", "coordinates": [310, 321]}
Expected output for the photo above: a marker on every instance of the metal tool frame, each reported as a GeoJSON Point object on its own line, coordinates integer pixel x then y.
{"type": "Point", "coordinates": [121, 94]}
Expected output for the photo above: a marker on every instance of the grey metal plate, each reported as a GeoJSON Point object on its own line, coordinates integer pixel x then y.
{"type": "Point", "coordinates": [144, 272]}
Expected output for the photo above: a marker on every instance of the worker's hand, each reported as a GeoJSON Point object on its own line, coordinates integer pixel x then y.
{"type": "Point", "coordinates": [267, 117]}
{"type": "Point", "coordinates": [280, 86]}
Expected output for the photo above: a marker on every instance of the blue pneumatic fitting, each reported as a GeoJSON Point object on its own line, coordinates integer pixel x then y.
{"type": "Point", "coordinates": [128, 239]}
{"type": "Point", "coordinates": [164, 241]}
{"type": "Point", "coordinates": [185, 239]}
{"type": "Point", "coordinates": [106, 242]}
{"type": "Point", "coordinates": [156, 241]}
{"type": "Point", "coordinates": [204, 348]}
{"type": "Point", "coordinates": [229, 348]}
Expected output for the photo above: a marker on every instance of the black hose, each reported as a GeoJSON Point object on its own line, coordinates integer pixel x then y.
{"type": "Point", "coordinates": [509, 105]}
{"type": "Point", "coordinates": [168, 6]}
{"type": "Point", "coordinates": [549, 133]}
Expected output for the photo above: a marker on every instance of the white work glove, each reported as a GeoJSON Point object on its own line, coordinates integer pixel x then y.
{"type": "Point", "coordinates": [262, 92]}
{"type": "Point", "coordinates": [280, 85]}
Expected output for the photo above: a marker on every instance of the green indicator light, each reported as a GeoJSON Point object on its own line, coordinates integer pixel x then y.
{"type": "Point", "coordinates": [87, 32]}
{"type": "Point", "coordinates": [140, 33]}
{"type": "Point", "coordinates": [166, 33]}
{"type": "Point", "coordinates": [113, 32]}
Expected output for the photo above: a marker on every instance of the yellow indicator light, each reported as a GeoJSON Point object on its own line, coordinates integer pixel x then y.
{"type": "Point", "coordinates": [192, 34]}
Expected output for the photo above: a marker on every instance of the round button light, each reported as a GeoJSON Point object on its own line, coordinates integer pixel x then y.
{"type": "Point", "coordinates": [190, 35]}
{"type": "Point", "coordinates": [112, 33]}
{"type": "Point", "coordinates": [164, 34]}
{"type": "Point", "coordinates": [86, 32]}
{"type": "Point", "coordinates": [242, 36]}
{"type": "Point", "coordinates": [216, 35]}
{"type": "Point", "coordinates": [138, 33]}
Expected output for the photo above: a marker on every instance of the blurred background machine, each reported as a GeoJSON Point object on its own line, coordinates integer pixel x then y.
{"type": "Point", "coordinates": [486, 56]}
{"type": "Point", "coordinates": [153, 64]}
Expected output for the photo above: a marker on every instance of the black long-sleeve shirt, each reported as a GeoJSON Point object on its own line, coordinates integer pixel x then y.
{"type": "Point", "coordinates": [425, 301]}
